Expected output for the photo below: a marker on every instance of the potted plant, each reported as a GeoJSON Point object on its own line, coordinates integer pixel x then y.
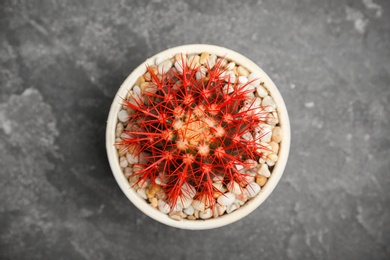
{"type": "Point", "coordinates": [198, 136]}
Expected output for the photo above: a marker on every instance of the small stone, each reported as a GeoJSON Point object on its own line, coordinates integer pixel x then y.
{"type": "Point", "coordinates": [261, 180]}
{"type": "Point", "coordinates": [198, 205]}
{"type": "Point", "coordinates": [123, 116]}
{"type": "Point", "coordinates": [221, 209]}
{"type": "Point", "coordinates": [226, 199]}
{"type": "Point", "coordinates": [273, 157]}
{"type": "Point", "coordinates": [242, 80]}
{"type": "Point", "coordinates": [131, 158]}
{"type": "Point", "coordinates": [158, 60]}
{"type": "Point", "coordinates": [176, 215]}
{"type": "Point", "coordinates": [234, 187]}
{"type": "Point", "coordinates": [269, 162]}
{"type": "Point", "coordinates": [128, 172]}
{"type": "Point", "coordinates": [203, 58]}
{"type": "Point", "coordinates": [193, 62]}
{"type": "Point", "coordinates": [191, 217]}
{"type": "Point", "coordinates": [206, 214]}
{"type": "Point", "coordinates": [277, 134]}
{"type": "Point", "coordinates": [154, 202]}
{"type": "Point", "coordinates": [275, 146]}
{"type": "Point", "coordinates": [261, 91]}
{"type": "Point", "coordinates": [252, 189]}
{"type": "Point", "coordinates": [189, 210]}
{"type": "Point", "coordinates": [249, 163]}
{"type": "Point", "coordinates": [143, 183]}
{"type": "Point", "coordinates": [230, 77]}
{"type": "Point", "coordinates": [188, 190]}
{"type": "Point", "coordinates": [184, 202]}
{"type": "Point", "coordinates": [142, 193]}
{"type": "Point", "coordinates": [242, 71]}
{"type": "Point", "coordinates": [123, 162]}
{"type": "Point", "coordinates": [263, 170]}
{"type": "Point", "coordinates": [266, 134]}
{"type": "Point", "coordinates": [231, 208]}
{"type": "Point", "coordinates": [163, 207]}
{"type": "Point", "coordinates": [269, 104]}
{"type": "Point", "coordinates": [219, 187]}
{"type": "Point", "coordinates": [211, 60]}
{"type": "Point", "coordinates": [119, 129]}
{"type": "Point", "coordinates": [254, 79]}
{"type": "Point", "coordinates": [164, 67]}
{"type": "Point", "coordinates": [196, 213]}
{"type": "Point", "coordinates": [230, 66]}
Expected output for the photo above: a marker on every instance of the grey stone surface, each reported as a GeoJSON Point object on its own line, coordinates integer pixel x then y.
{"type": "Point", "coordinates": [61, 63]}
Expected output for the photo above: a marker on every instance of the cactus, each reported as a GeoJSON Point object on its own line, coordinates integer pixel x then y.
{"type": "Point", "coordinates": [190, 127]}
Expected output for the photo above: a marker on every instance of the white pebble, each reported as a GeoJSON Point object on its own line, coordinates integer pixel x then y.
{"type": "Point", "coordinates": [128, 172]}
{"type": "Point", "coordinates": [142, 193]}
{"type": "Point", "coordinates": [164, 67]}
{"type": "Point", "coordinates": [254, 79]}
{"type": "Point", "coordinates": [177, 207]}
{"type": "Point", "coordinates": [211, 61]}
{"type": "Point", "coordinates": [184, 202]}
{"type": "Point", "coordinates": [220, 208]}
{"type": "Point", "coordinates": [218, 178]}
{"type": "Point", "coordinates": [158, 60]}
{"type": "Point", "coordinates": [219, 187]}
{"type": "Point", "coordinates": [163, 207]}
{"type": "Point", "coordinates": [277, 134]}
{"type": "Point", "coordinates": [269, 104]}
{"type": "Point", "coordinates": [266, 135]}
{"type": "Point", "coordinates": [261, 91]}
{"type": "Point", "coordinates": [269, 162]}
{"type": "Point", "coordinates": [252, 189]}
{"type": "Point", "coordinates": [123, 116]}
{"type": "Point", "coordinates": [123, 162]}
{"type": "Point", "coordinates": [179, 65]}
{"type": "Point", "coordinates": [206, 214]}
{"type": "Point", "coordinates": [263, 170]}
{"type": "Point", "coordinates": [242, 80]}
{"type": "Point", "coordinates": [188, 190]}
{"type": "Point", "coordinates": [230, 66]}
{"type": "Point", "coordinates": [239, 167]}
{"type": "Point", "coordinates": [198, 205]}
{"type": "Point", "coordinates": [234, 187]}
{"type": "Point", "coordinates": [228, 88]}
{"type": "Point", "coordinates": [189, 210]}
{"type": "Point", "coordinates": [131, 158]}
{"type": "Point", "coordinates": [226, 199]}
{"type": "Point", "coordinates": [232, 208]}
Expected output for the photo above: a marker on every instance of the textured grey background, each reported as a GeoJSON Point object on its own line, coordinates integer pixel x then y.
{"type": "Point", "coordinates": [63, 61]}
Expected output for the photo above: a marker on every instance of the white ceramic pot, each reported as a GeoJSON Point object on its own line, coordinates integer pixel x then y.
{"type": "Point", "coordinates": [226, 218]}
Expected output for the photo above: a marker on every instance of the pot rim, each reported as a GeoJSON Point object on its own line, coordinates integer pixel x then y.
{"type": "Point", "coordinates": [248, 207]}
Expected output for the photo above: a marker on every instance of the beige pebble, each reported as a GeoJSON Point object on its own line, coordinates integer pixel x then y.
{"type": "Point", "coordinates": [254, 79]}
{"type": "Point", "coordinates": [242, 71]}
{"type": "Point", "coordinates": [269, 162]}
{"type": "Point", "coordinates": [140, 80]}
{"type": "Point", "coordinates": [274, 157]}
{"type": "Point", "coordinates": [119, 129]}
{"type": "Point", "coordinates": [196, 213]}
{"type": "Point", "coordinates": [277, 134]}
{"type": "Point", "coordinates": [221, 209]}
{"type": "Point", "coordinates": [275, 146]}
{"type": "Point", "coordinates": [206, 214]}
{"type": "Point", "coordinates": [153, 202]}
{"type": "Point", "coordinates": [203, 58]}
{"type": "Point", "coordinates": [191, 217]}
{"type": "Point", "coordinates": [176, 215]}
{"type": "Point", "coordinates": [163, 206]}
{"type": "Point", "coordinates": [261, 180]}
{"type": "Point", "coordinates": [193, 62]}
{"type": "Point", "coordinates": [268, 104]}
